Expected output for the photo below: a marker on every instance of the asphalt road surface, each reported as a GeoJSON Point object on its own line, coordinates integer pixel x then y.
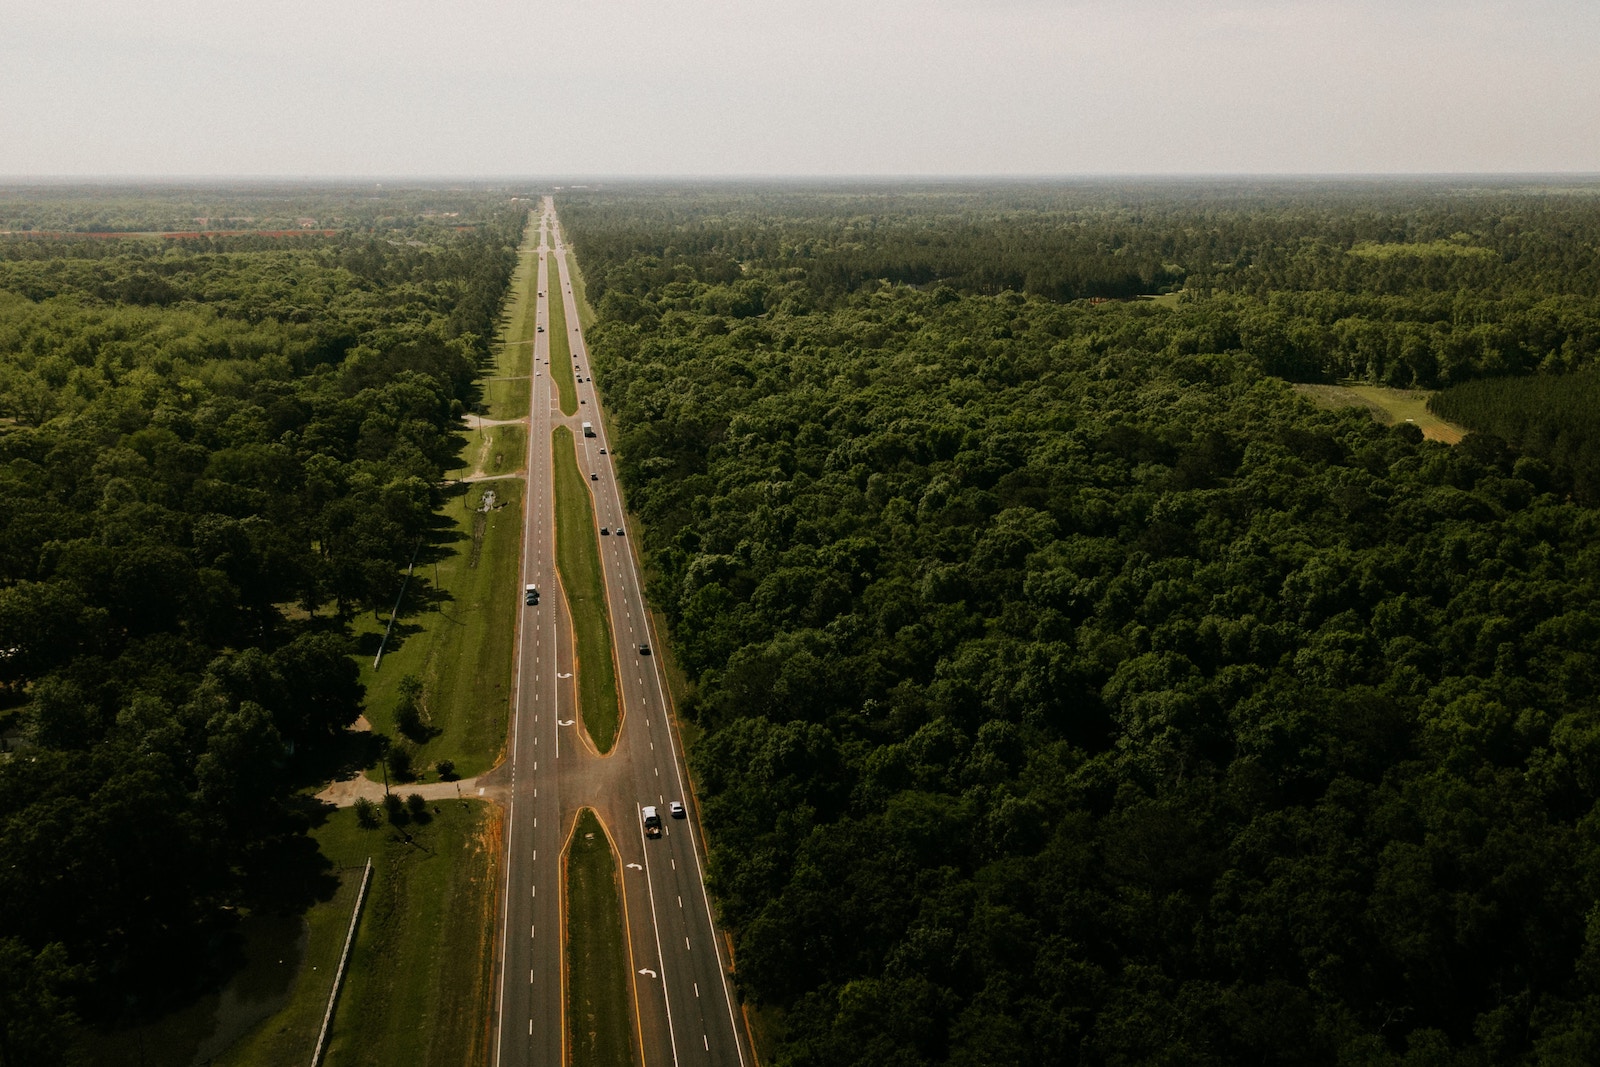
{"type": "Point", "coordinates": [682, 998]}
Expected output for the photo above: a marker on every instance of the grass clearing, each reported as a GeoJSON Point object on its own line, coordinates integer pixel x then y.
{"type": "Point", "coordinates": [561, 351]}
{"type": "Point", "coordinates": [494, 450]}
{"type": "Point", "coordinates": [456, 634]}
{"type": "Point", "coordinates": [1389, 406]}
{"type": "Point", "coordinates": [599, 1010]}
{"type": "Point", "coordinates": [578, 559]}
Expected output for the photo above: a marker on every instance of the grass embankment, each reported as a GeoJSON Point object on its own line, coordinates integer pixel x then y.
{"type": "Point", "coordinates": [1389, 406]}
{"type": "Point", "coordinates": [561, 348]}
{"type": "Point", "coordinates": [578, 559]}
{"type": "Point", "coordinates": [599, 1010]}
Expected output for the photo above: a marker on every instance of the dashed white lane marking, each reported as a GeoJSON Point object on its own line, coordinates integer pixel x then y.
{"type": "Point", "coordinates": [706, 1042]}
{"type": "Point", "coordinates": [680, 902]}
{"type": "Point", "coordinates": [697, 989]}
{"type": "Point", "coordinates": [530, 931]}
{"type": "Point", "coordinates": [686, 944]}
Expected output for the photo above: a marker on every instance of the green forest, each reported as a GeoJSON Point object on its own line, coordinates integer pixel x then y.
{"type": "Point", "coordinates": [1071, 691]}
{"type": "Point", "coordinates": [214, 453]}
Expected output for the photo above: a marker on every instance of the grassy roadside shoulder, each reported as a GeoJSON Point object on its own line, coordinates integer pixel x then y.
{"type": "Point", "coordinates": [599, 1009]}
{"type": "Point", "coordinates": [455, 635]}
{"type": "Point", "coordinates": [456, 630]}
{"type": "Point", "coordinates": [419, 980]}
{"type": "Point", "coordinates": [561, 350]}
{"type": "Point", "coordinates": [578, 559]}
{"type": "Point", "coordinates": [586, 315]}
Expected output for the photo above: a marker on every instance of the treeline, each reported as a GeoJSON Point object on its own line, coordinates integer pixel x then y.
{"type": "Point", "coordinates": [1420, 283]}
{"type": "Point", "coordinates": [176, 206]}
{"type": "Point", "coordinates": [1555, 419]}
{"type": "Point", "coordinates": [187, 485]}
{"type": "Point", "coordinates": [1074, 693]}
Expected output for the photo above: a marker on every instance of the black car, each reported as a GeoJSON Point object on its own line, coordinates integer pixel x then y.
{"type": "Point", "coordinates": [644, 650]}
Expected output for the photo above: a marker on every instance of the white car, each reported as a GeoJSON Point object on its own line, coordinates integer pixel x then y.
{"type": "Point", "coordinates": [676, 808]}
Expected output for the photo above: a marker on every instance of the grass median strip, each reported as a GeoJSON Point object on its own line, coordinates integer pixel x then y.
{"type": "Point", "coordinates": [561, 347]}
{"type": "Point", "coordinates": [599, 1011]}
{"type": "Point", "coordinates": [578, 558]}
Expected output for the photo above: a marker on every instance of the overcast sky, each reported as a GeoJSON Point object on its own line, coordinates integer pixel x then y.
{"type": "Point", "coordinates": [761, 87]}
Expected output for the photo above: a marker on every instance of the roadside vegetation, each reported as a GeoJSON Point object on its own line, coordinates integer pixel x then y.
{"type": "Point", "coordinates": [586, 315]}
{"type": "Point", "coordinates": [217, 458]}
{"type": "Point", "coordinates": [583, 581]}
{"type": "Point", "coordinates": [600, 1013]}
{"type": "Point", "coordinates": [1072, 691]}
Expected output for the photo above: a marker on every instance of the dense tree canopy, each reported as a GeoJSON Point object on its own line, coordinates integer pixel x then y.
{"type": "Point", "coordinates": [203, 446]}
{"type": "Point", "coordinates": [1074, 692]}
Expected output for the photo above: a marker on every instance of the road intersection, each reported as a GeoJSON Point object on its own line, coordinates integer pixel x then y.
{"type": "Point", "coordinates": [683, 1002]}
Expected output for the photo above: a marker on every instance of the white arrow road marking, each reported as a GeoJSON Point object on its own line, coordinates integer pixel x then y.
{"type": "Point", "coordinates": [559, 675]}
{"type": "Point", "coordinates": [565, 722]}
{"type": "Point", "coordinates": [646, 970]}
{"type": "Point", "coordinates": [635, 866]}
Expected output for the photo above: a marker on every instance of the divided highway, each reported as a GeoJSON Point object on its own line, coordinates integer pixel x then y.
{"type": "Point", "coordinates": [683, 1000]}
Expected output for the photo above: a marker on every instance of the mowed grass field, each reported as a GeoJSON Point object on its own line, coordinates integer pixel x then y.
{"type": "Point", "coordinates": [1389, 406]}
{"type": "Point", "coordinates": [578, 559]}
{"type": "Point", "coordinates": [561, 348]}
{"type": "Point", "coordinates": [599, 1009]}
{"type": "Point", "coordinates": [494, 450]}
{"type": "Point", "coordinates": [419, 985]}
{"type": "Point", "coordinates": [456, 634]}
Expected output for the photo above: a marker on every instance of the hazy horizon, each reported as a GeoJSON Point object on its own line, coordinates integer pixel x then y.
{"type": "Point", "coordinates": [627, 90]}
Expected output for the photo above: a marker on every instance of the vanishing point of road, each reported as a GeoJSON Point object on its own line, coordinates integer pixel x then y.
{"type": "Point", "coordinates": [682, 999]}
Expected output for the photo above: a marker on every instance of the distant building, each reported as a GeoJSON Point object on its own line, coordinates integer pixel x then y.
{"type": "Point", "coordinates": [306, 224]}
